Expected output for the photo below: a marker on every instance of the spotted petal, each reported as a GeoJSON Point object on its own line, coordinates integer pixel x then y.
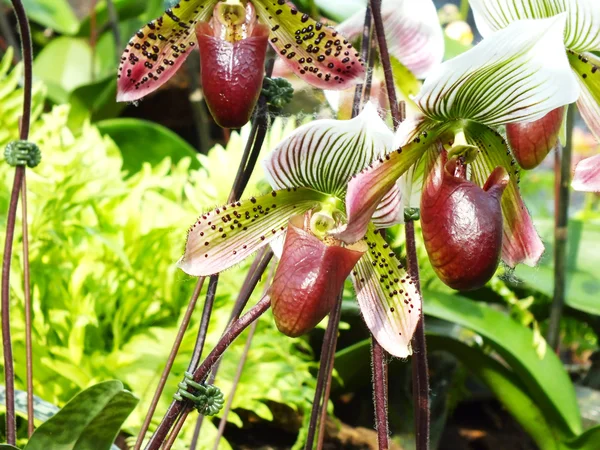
{"type": "Point", "coordinates": [587, 175]}
{"type": "Point", "coordinates": [388, 298]}
{"type": "Point", "coordinates": [412, 31]}
{"type": "Point", "coordinates": [225, 236]}
{"type": "Point", "coordinates": [520, 243]}
{"type": "Point", "coordinates": [508, 77]}
{"type": "Point", "coordinates": [587, 68]}
{"type": "Point", "coordinates": [582, 31]}
{"type": "Point", "coordinates": [316, 53]}
{"type": "Point", "coordinates": [158, 49]}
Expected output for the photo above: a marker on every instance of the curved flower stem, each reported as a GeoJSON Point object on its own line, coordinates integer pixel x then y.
{"type": "Point", "coordinates": [203, 330]}
{"type": "Point", "coordinates": [326, 395]}
{"type": "Point", "coordinates": [203, 369]}
{"type": "Point", "coordinates": [420, 371]}
{"type": "Point", "coordinates": [385, 61]}
{"type": "Point", "coordinates": [259, 265]}
{"type": "Point", "coordinates": [9, 375]}
{"type": "Point", "coordinates": [27, 297]}
{"type": "Point", "coordinates": [325, 367]}
{"type": "Point", "coordinates": [561, 232]}
{"type": "Point", "coordinates": [379, 367]}
{"type": "Point", "coordinates": [171, 359]}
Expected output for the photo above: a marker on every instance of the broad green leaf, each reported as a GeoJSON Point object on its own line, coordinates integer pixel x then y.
{"type": "Point", "coordinates": [388, 298]}
{"type": "Point", "coordinates": [227, 235]}
{"type": "Point", "coordinates": [67, 63]}
{"type": "Point", "coordinates": [55, 14]}
{"type": "Point", "coordinates": [586, 441]}
{"type": "Point", "coordinates": [582, 31]}
{"type": "Point", "coordinates": [506, 387]}
{"type": "Point", "coordinates": [583, 283]}
{"type": "Point", "coordinates": [95, 102]}
{"type": "Point", "coordinates": [8, 447]}
{"type": "Point", "coordinates": [412, 31]}
{"type": "Point", "coordinates": [142, 141]}
{"type": "Point", "coordinates": [506, 78]}
{"type": "Point", "coordinates": [587, 68]}
{"type": "Point", "coordinates": [545, 379]}
{"type": "Point", "coordinates": [521, 243]}
{"type": "Point", "coordinates": [90, 421]}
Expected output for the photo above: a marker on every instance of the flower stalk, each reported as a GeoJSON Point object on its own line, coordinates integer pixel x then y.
{"type": "Point", "coordinates": [561, 232]}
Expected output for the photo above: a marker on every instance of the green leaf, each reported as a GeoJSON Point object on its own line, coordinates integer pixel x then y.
{"type": "Point", "coordinates": [126, 9]}
{"type": "Point", "coordinates": [586, 441]}
{"type": "Point", "coordinates": [95, 102]}
{"type": "Point", "coordinates": [90, 421]}
{"type": "Point", "coordinates": [505, 385]}
{"type": "Point", "coordinates": [582, 283]}
{"type": "Point", "coordinates": [546, 380]}
{"type": "Point", "coordinates": [8, 447]}
{"type": "Point", "coordinates": [55, 14]}
{"type": "Point", "coordinates": [142, 141]}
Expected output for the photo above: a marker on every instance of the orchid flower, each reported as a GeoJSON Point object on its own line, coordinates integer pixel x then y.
{"type": "Point", "coordinates": [581, 38]}
{"type": "Point", "coordinates": [309, 171]}
{"type": "Point", "coordinates": [506, 78]}
{"type": "Point", "coordinates": [232, 37]}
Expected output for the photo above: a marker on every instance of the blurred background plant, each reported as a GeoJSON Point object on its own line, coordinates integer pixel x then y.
{"type": "Point", "coordinates": [111, 202]}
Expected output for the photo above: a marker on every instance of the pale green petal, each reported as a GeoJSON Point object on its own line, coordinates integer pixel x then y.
{"type": "Point", "coordinates": [508, 77]}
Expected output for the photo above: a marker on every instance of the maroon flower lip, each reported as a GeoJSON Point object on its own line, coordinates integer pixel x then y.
{"type": "Point", "coordinates": [532, 141]}
{"type": "Point", "coordinates": [462, 224]}
{"type": "Point", "coordinates": [232, 73]}
{"type": "Point", "coordinates": [308, 280]}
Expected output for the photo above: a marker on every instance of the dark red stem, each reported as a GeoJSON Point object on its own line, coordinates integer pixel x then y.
{"type": "Point", "coordinates": [380, 393]}
{"type": "Point", "coordinates": [202, 371]}
{"type": "Point", "coordinates": [203, 330]}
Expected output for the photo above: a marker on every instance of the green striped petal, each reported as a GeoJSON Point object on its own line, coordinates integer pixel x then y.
{"type": "Point", "coordinates": [225, 236]}
{"type": "Point", "coordinates": [582, 31]}
{"type": "Point", "coordinates": [520, 243]}
{"type": "Point", "coordinates": [388, 298]}
{"type": "Point", "coordinates": [517, 74]}
{"type": "Point", "coordinates": [158, 49]}
{"type": "Point", "coordinates": [587, 68]}
{"type": "Point", "coordinates": [324, 154]}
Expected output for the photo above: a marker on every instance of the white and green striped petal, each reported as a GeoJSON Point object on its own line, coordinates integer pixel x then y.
{"type": "Point", "coordinates": [520, 242]}
{"type": "Point", "coordinates": [324, 154]}
{"type": "Point", "coordinates": [582, 31]}
{"type": "Point", "coordinates": [587, 68]}
{"type": "Point", "coordinates": [225, 236]}
{"type": "Point", "coordinates": [517, 74]}
{"type": "Point", "coordinates": [412, 31]}
{"type": "Point", "coordinates": [388, 298]}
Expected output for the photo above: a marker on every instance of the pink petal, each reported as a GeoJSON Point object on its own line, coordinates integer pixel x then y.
{"type": "Point", "coordinates": [225, 236]}
{"type": "Point", "coordinates": [309, 279]}
{"type": "Point", "coordinates": [158, 49]}
{"type": "Point", "coordinates": [316, 53]}
{"type": "Point", "coordinates": [587, 175]}
{"type": "Point", "coordinates": [388, 298]}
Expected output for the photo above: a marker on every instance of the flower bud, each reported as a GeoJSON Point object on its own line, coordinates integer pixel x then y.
{"type": "Point", "coordinates": [532, 141]}
{"type": "Point", "coordinates": [309, 278]}
{"type": "Point", "coordinates": [462, 224]}
{"type": "Point", "coordinates": [232, 59]}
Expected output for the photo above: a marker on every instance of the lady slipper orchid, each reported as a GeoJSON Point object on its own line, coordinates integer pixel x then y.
{"type": "Point", "coordinates": [309, 171]}
{"type": "Point", "coordinates": [581, 38]}
{"type": "Point", "coordinates": [462, 223]}
{"type": "Point", "coordinates": [232, 36]}
{"type": "Point", "coordinates": [506, 78]}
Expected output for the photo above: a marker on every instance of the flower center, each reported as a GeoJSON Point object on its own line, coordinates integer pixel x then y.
{"type": "Point", "coordinates": [324, 218]}
{"type": "Point", "coordinates": [233, 20]}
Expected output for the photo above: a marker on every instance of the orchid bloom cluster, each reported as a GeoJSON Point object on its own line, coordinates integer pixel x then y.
{"type": "Point", "coordinates": [582, 37]}
{"type": "Point", "coordinates": [507, 78]}
{"type": "Point", "coordinates": [232, 37]}
{"type": "Point", "coordinates": [310, 170]}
